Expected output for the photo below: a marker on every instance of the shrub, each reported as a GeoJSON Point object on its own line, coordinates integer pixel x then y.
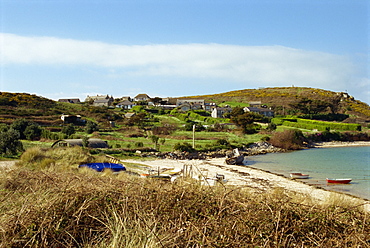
{"type": "Point", "coordinates": [20, 125]}
{"type": "Point", "coordinates": [10, 143]}
{"type": "Point", "coordinates": [271, 126]}
{"type": "Point", "coordinates": [288, 139]}
{"type": "Point", "coordinates": [54, 158]}
{"type": "Point", "coordinates": [139, 144]}
{"type": "Point", "coordinates": [183, 147]}
{"type": "Point", "coordinates": [198, 127]}
{"type": "Point", "coordinates": [91, 127]}
{"type": "Point", "coordinates": [68, 130]}
{"type": "Point", "coordinates": [222, 142]}
{"type": "Point", "coordinates": [33, 132]}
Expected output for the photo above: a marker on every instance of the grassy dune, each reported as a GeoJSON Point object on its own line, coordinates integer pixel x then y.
{"type": "Point", "coordinates": [56, 205]}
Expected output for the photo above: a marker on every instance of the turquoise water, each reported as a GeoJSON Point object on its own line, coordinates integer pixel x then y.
{"type": "Point", "coordinates": [322, 163]}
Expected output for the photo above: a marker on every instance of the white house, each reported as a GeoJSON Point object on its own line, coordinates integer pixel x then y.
{"type": "Point", "coordinates": [125, 105]}
{"type": "Point", "coordinates": [219, 112]}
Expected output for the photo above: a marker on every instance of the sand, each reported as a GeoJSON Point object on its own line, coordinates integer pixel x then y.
{"type": "Point", "coordinates": [341, 144]}
{"type": "Point", "coordinates": [258, 180]}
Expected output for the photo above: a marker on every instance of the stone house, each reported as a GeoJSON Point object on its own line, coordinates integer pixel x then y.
{"type": "Point", "coordinates": [219, 112]}
{"type": "Point", "coordinates": [141, 97]}
{"type": "Point", "coordinates": [263, 111]}
{"type": "Point", "coordinates": [92, 99]}
{"type": "Point", "coordinates": [103, 102]}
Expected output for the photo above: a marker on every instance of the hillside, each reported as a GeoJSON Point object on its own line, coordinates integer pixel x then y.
{"type": "Point", "coordinates": [44, 111]}
{"type": "Point", "coordinates": [280, 99]}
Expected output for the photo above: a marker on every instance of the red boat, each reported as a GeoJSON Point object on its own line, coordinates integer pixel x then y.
{"type": "Point", "coordinates": [342, 180]}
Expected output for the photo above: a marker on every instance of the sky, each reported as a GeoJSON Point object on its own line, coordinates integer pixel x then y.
{"type": "Point", "coordinates": [171, 48]}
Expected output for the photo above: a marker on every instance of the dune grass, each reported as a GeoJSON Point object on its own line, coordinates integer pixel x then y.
{"type": "Point", "coordinates": [59, 206]}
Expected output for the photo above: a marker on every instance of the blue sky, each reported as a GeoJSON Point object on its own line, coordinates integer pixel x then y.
{"type": "Point", "coordinates": [74, 48]}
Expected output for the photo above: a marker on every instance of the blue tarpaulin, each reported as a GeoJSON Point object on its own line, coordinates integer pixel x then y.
{"type": "Point", "coordinates": [102, 166]}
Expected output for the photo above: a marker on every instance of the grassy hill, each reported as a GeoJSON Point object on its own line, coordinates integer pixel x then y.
{"type": "Point", "coordinates": [44, 111]}
{"type": "Point", "coordinates": [280, 99]}
{"type": "Point", "coordinates": [47, 112]}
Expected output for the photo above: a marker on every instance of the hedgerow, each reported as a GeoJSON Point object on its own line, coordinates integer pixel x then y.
{"type": "Point", "coordinates": [314, 124]}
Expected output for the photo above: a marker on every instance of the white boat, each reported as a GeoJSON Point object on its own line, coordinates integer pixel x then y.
{"type": "Point", "coordinates": [299, 175]}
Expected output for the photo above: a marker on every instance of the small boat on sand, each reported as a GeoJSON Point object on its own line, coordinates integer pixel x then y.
{"type": "Point", "coordinates": [99, 167]}
{"type": "Point", "coordinates": [235, 159]}
{"type": "Point", "coordinates": [341, 180]}
{"type": "Point", "coordinates": [299, 175]}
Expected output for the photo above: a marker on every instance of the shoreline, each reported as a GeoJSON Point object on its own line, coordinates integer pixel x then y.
{"type": "Point", "coordinates": [331, 144]}
{"type": "Point", "coordinates": [252, 178]}
{"type": "Point", "coordinates": [245, 176]}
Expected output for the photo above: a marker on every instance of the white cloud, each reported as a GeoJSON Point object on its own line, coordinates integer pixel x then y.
{"type": "Point", "coordinates": [266, 65]}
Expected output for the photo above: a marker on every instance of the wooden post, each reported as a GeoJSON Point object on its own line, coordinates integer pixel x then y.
{"type": "Point", "coordinates": [194, 136]}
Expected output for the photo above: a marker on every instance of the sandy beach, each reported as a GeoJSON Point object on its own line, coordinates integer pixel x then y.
{"type": "Point", "coordinates": [341, 144]}
{"type": "Point", "coordinates": [255, 179]}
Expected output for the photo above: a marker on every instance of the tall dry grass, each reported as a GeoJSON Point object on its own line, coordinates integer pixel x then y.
{"type": "Point", "coordinates": [63, 158]}
{"type": "Point", "coordinates": [66, 208]}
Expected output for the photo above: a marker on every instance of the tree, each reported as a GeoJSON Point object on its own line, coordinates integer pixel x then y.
{"type": "Point", "coordinates": [69, 130]}
{"type": "Point", "coordinates": [162, 141]}
{"type": "Point", "coordinates": [154, 139]}
{"type": "Point", "coordinates": [271, 126]}
{"type": "Point", "coordinates": [10, 143]}
{"type": "Point", "coordinates": [198, 126]}
{"type": "Point", "coordinates": [288, 139]}
{"type": "Point", "coordinates": [33, 131]}
{"type": "Point", "coordinates": [20, 125]}
{"type": "Point", "coordinates": [245, 120]}
{"type": "Point", "coordinates": [91, 127]}
{"type": "Point", "coordinates": [137, 119]}
{"type": "Point", "coordinates": [3, 127]}
{"type": "Point", "coordinates": [309, 106]}
{"type": "Point", "coordinates": [184, 147]}
{"type": "Point", "coordinates": [85, 141]}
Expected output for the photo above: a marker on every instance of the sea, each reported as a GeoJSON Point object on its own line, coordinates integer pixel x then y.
{"type": "Point", "coordinates": [321, 163]}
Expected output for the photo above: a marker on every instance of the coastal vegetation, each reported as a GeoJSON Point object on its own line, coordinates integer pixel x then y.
{"type": "Point", "coordinates": [318, 114]}
{"type": "Point", "coordinates": [47, 202]}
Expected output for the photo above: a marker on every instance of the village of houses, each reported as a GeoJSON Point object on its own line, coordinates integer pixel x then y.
{"type": "Point", "coordinates": [183, 104]}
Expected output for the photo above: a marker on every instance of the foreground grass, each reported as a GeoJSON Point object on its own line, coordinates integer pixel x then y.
{"type": "Point", "coordinates": [57, 206]}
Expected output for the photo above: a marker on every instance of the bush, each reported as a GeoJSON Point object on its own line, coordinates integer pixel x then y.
{"type": "Point", "coordinates": [54, 158]}
{"type": "Point", "coordinates": [183, 147]}
{"type": "Point", "coordinates": [222, 142]}
{"type": "Point", "coordinates": [139, 144]}
{"type": "Point", "coordinates": [271, 126]}
{"type": "Point", "coordinates": [33, 132]}
{"type": "Point", "coordinates": [20, 125]}
{"type": "Point", "coordinates": [288, 139]}
{"type": "Point", "coordinates": [68, 130]}
{"type": "Point", "coordinates": [91, 127]}
{"type": "Point", "coordinates": [10, 143]}
{"type": "Point", "coordinates": [198, 127]}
